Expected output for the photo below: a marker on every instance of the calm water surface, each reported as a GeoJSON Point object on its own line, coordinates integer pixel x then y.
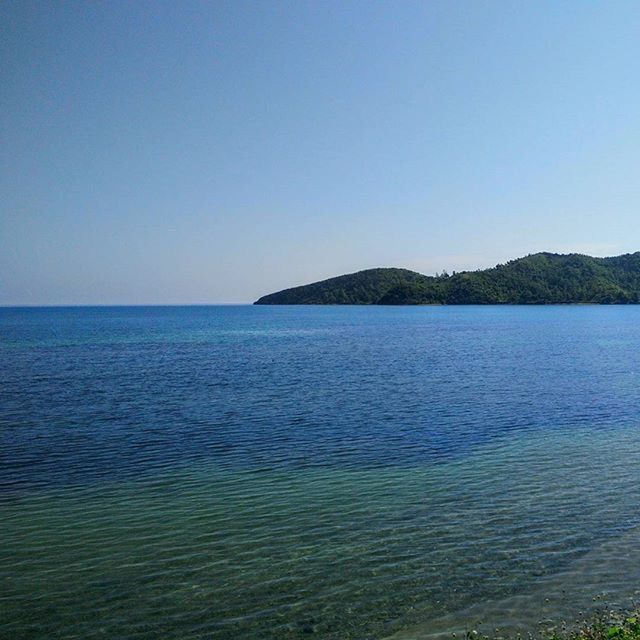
{"type": "Point", "coordinates": [329, 472]}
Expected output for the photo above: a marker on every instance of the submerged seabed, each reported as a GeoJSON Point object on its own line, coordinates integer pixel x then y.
{"type": "Point", "coordinates": [348, 473]}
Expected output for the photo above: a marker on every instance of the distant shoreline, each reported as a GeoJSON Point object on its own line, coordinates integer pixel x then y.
{"type": "Point", "coordinates": [538, 279]}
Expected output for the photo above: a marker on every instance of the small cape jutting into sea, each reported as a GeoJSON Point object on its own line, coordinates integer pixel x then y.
{"type": "Point", "coordinates": [542, 278]}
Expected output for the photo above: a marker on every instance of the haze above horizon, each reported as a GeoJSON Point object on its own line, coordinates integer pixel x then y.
{"type": "Point", "coordinates": [199, 152]}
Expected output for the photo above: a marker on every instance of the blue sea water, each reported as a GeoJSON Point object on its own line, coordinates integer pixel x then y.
{"type": "Point", "coordinates": [333, 472]}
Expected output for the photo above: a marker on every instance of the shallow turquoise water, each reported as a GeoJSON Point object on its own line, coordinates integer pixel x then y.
{"type": "Point", "coordinates": [228, 472]}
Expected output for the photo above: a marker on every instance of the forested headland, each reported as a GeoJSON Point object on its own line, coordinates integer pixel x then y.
{"type": "Point", "coordinates": [541, 278]}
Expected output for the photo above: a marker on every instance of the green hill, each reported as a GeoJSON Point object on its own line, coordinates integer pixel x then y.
{"type": "Point", "coordinates": [364, 287]}
{"type": "Point", "coordinates": [542, 278]}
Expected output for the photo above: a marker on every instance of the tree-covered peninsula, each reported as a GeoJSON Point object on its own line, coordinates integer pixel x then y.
{"type": "Point", "coordinates": [542, 278]}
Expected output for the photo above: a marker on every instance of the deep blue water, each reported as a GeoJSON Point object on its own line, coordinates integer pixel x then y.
{"type": "Point", "coordinates": [268, 472]}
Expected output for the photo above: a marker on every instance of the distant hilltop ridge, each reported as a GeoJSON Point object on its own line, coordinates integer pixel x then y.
{"type": "Point", "coordinates": [541, 278]}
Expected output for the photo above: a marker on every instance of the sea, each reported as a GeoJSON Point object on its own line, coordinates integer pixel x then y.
{"type": "Point", "coordinates": [255, 472]}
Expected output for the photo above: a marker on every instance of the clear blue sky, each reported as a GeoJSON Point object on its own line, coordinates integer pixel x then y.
{"type": "Point", "coordinates": [187, 152]}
